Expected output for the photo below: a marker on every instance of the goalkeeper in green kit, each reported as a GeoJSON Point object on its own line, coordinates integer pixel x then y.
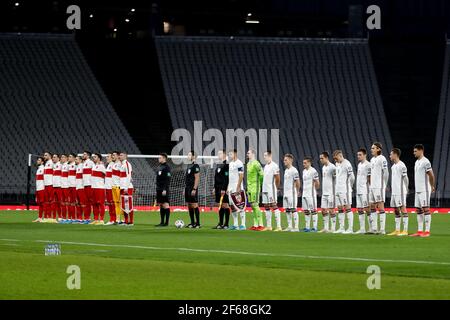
{"type": "Point", "coordinates": [255, 175]}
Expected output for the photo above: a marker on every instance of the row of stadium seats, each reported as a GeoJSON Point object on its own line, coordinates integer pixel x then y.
{"type": "Point", "coordinates": [323, 94]}
{"type": "Point", "coordinates": [50, 100]}
{"type": "Point", "coordinates": [441, 163]}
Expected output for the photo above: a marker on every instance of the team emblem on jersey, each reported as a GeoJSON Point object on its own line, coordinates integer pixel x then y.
{"type": "Point", "coordinates": [159, 173]}
{"type": "Point", "coordinates": [189, 171]}
{"type": "Point", "coordinates": [239, 199]}
{"type": "Point", "coordinates": [218, 169]}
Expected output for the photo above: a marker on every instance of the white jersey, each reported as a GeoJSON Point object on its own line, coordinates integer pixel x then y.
{"type": "Point", "coordinates": [344, 177]}
{"type": "Point", "coordinates": [116, 174]}
{"type": "Point", "coordinates": [98, 176]}
{"type": "Point", "coordinates": [309, 177]}
{"type": "Point", "coordinates": [108, 177]}
{"type": "Point", "coordinates": [270, 171]}
{"type": "Point", "coordinates": [72, 179]}
{"type": "Point", "coordinates": [48, 173]}
{"type": "Point", "coordinates": [65, 175]}
{"type": "Point", "coordinates": [235, 168]}
{"type": "Point", "coordinates": [291, 175]}
{"type": "Point", "coordinates": [126, 171]}
{"type": "Point", "coordinates": [362, 186]}
{"type": "Point", "coordinates": [79, 176]}
{"type": "Point", "coordinates": [399, 178]}
{"type": "Point", "coordinates": [378, 170]}
{"type": "Point", "coordinates": [328, 179]}
{"type": "Point", "coordinates": [87, 172]}
{"type": "Point", "coordinates": [57, 175]}
{"type": "Point", "coordinates": [421, 180]}
{"type": "Point", "coordinates": [40, 178]}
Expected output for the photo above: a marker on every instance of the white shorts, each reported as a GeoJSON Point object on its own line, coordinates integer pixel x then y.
{"type": "Point", "coordinates": [376, 195]}
{"type": "Point", "coordinates": [290, 202]}
{"type": "Point", "coordinates": [422, 199]}
{"type": "Point", "coordinates": [343, 199]}
{"type": "Point", "coordinates": [398, 201]}
{"type": "Point", "coordinates": [268, 198]}
{"type": "Point", "coordinates": [327, 202]}
{"type": "Point", "coordinates": [309, 203]}
{"type": "Point", "coordinates": [362, 201]}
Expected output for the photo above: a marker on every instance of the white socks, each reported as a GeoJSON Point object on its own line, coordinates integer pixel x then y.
{"type": "Point", "coordinates": [333, 223]}
{"type": "Point", "coordinates": [420, 222]}
{"type": "Point", "coordinates": [341, 217]}
{"type": "Point", "coordinates": [397, 223]}
{"type": "Point", "coordinates": [278, 218]}
{"type": "Point", "coordinates": [427, 222]}
{"type": "Point", "coordinates": [242, 214]}
{"type": "Point", "coordinates": [362, 222]}
{"type": "Point", "coordinates": [326, 222]}
{"type": "Point", "coordinates": [307, 221]}
{"type": "Point", "coordinates": [235, 219]}
{"type": "Point", "coordinates": [405, 222]}
{"type": "Point", "coordinates": [350, 220]}
{"type": "Point", "coordinates": [374, 216]}
{"type": "Point", "coordinates": [295, 216]}
{"type": "Point", "coordinates": [382, 221]}
{"type": "Point", "coordinates": [315, 220]}
{"type": "Point", "coordinates": [268, 219]}
{"type": "Point", "coordinates": [289, 219]}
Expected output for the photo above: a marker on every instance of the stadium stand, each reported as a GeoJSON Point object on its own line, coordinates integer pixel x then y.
{"type": "Point", "coordinates": [47, 86]}
{"type": "Point", "coordinates": [441, 165]}
{"type": "Point", "coordinates": [298, 85]}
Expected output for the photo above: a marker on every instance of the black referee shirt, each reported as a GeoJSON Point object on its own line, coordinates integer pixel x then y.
{"type": "Point", "coordinates": [221, 176]}
{"type": "Point", "coordinates": [163, 177]}
{"type": "Point", "coordinates": [191, 170]}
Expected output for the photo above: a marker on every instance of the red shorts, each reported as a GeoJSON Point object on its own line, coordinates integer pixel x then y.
{"type": "Point", "coordinates": [57, 194]}
{"type": "Point", "coordinates": [48, 194]}
{"type": "Point", "coordinates": [109, 196]}
{"type": "Point", "coordinates": [65, 194]}
{"type": "Point", "coordinates": [99, 196]}
{"type": "Point", "coordinates": [81, 197]}
{"type": "Point", "coordinates": [89, 195]}
{"type": "Point", "coordinates": [72, 195]}
{"type": "Point", "coordinates": [40, 197]}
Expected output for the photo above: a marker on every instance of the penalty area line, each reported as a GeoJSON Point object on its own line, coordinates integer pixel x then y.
{"type": "Point", "coordinates": [264, 254]}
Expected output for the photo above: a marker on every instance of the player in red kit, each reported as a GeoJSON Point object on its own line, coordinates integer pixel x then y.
{"type": "Point", "coordinates": [64, 188]}
{"type": "Point", "coordinates": [108, 190]}
{"type": "Point", "coordinates": [48, 187]}
{"type": "Point", "coordinates": [126, 186]}
{"type": "Point", "coordinates": [57, 194]}
{"type": "Point", "coordinates": [87, 172]}
{"type": "Point", "coordinates": [40, 188]}
{"type": "Point", "coordinates": [81, 196]}
{"type": "Point", "coordinates": [72, 181]}
{"type": "Point", "coordinates": [98, 189]}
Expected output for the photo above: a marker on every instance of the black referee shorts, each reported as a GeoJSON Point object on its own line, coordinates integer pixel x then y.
{"type": "Point", "coordinates": [188, 196]}
{"type": "Point", "coordinates": [219, 195]}
{"type": "Point", "coordinates": [160, 198]}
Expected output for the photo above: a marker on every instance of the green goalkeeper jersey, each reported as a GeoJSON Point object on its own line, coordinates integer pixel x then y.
{"type": "Point", "coordinates": [255, 176]}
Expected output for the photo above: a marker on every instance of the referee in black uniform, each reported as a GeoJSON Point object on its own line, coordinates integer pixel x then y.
{"type": "Point", "coordinates": [191, 191]}
{"type": "Point", "coordinates": [220, 190]}
{"type": "Point", "coordinates": [162, 189]}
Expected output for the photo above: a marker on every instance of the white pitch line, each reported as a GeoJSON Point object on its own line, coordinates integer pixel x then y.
{"type": "Point", "coordinates": [242, 252]}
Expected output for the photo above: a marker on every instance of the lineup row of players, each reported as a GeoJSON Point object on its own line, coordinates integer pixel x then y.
{"type": "Point", "coordinates": [337, 187]}
{"type": "Point", "coordinates": [69, 188]}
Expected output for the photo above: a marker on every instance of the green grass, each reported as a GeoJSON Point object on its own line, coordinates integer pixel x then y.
{"type": "Point", "coordinates": [145, 262]}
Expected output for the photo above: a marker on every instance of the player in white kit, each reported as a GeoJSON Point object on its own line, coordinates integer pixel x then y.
{"type": "Point", "coordinates": [345, 179]}
{"type": "Point", "coordinates": [236, 184]}
{"type": "Point", "coordinates": [328, 190]}
{"type": "Point", "coordinates": [424, 183]}
{"type": "Point", "coordinates": [291, 189]}
{"type": "Point", "coordinates": [399, 190]}
{"type": "Point", "coordinates": [311, 183]}
{"type": "Point", "coordinates": [362, 190]}
{"type": "Point", "coordinates": [271, 182]}
{"type": "Point", "coordinates": [379, 176]}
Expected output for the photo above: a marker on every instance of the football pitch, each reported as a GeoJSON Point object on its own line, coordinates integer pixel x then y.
{"type": "Point", "coordinates": [146, 262]}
